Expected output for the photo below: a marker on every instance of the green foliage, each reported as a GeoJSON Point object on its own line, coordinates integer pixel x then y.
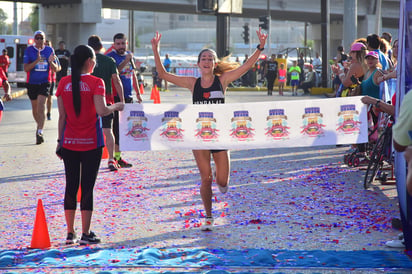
{"type": "Point", "coordinates": [137, 41]}
{"type": "Point", "coordinates": [34, 18]}
{"type": "Point", "coordinates": [310, 43]}
{"type": "Point", "coordinates": [3, 24]}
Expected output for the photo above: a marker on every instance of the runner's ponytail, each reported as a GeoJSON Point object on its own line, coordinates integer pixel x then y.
{"type": "Point", "coordinates": [79, 57]}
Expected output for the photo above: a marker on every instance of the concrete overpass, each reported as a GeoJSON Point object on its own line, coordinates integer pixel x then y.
{"type": "Point", "coordinates": [292, 10]}
{"type": "Point", "coordinates": [75, 20]}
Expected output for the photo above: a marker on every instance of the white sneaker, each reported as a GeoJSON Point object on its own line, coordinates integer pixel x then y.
{"type": "Point", "coordinates": [395, 244]}
{"type": "Point", "coordinates": [207, 224]}
{"type": "Point", "coordinates": [222, 189]}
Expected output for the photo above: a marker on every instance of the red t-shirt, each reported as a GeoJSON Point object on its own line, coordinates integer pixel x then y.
{"type": "Point", "coordinates": [5, 61]}
{"type": "Point", "coordinates": [3, 76]}
{"type": "Point", "coordinates": [83, 132]}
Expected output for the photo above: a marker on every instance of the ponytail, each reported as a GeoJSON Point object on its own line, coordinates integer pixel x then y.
{"type": "Point", "coordinates": [77, 60]}
{"type": "Point", "coordinates": [75, 84]}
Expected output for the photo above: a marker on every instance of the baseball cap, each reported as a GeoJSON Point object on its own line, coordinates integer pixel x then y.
{"type": "Point", "coordinates": [373, 54]}
{"type": "Point", "coordinates": [39, 32]}
{"type": "Point", "coordinates": [357, 47]}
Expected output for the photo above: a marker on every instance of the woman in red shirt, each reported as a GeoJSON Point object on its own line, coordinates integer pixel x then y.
{"type": "Point", "coordinates": [81, 103]}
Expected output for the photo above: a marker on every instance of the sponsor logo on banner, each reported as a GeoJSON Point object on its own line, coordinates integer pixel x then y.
{"type": "Point", "coordinates": [137, 126]}
{"type": "Point", "coordinates": [348, 120]}
{"type": "Point", "coordinates": [206, 127]}
{"type": "Point", "coordinates": [242, 129]}
{"type": "Point", "coordinates": [277, 124]}
{"type": "Point", "coordinates": [312, 122]}
{"type": "Point", "coordinates": [172, 126]}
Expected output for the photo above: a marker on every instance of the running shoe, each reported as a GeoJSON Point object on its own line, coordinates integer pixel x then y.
{"type": "Point", "coordinates": [395, 244]}
{"type": "Point", "coordinates": [122, 163]}
{"type": "Point", "coordinates": [207, 224]}
{"type": "Point", "coordinates": [71, 238]}
{"type": "Point", "coordinates": [223, 189]}
{"type": "Point", "coordinates": [89, 239]}
{"type": "Point", "coordinates": [39, 138]}
{"type": "Point", "coordinates": [112, 165]}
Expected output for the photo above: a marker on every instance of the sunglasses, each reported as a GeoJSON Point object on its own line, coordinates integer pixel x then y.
{"type": "Point", "coordinates": [39, 38]}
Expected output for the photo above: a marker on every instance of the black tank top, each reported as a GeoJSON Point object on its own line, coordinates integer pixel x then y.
{"type": "Point", "coordinates": [211, 95]}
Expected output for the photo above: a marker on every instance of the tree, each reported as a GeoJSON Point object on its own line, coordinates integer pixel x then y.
{"type": "Point", "coordinates": [3, 24]}
{"type": "Point", "coordinates": [137, 41]}
{"type": "Point", "coordinates": [34, 18]}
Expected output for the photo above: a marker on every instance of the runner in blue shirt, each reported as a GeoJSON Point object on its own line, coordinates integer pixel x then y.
{"type": "Point", "coordinates": [38, 60]}
{"type": "Point", "coordinates": [125, 66]}
{"type": "Point", "coordinates": [167, 63]}
{"type": "Point", "coordinates": [126, 70]}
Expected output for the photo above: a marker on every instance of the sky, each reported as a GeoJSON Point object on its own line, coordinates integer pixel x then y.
{"type": "Point", "coordinates": [7, 6]}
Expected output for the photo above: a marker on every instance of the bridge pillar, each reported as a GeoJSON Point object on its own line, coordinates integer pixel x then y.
{"type": "Point", "coordinates": [350, 22]}
{"type": "Point", "coordinates": [371, 24]}
{"type": "Point", "coordinates": [222, 34]}
{"type": "Point", "coordinates": [73, 23]}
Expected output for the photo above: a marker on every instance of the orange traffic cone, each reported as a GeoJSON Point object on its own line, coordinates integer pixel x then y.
{"type": "Point", "coordinates": [141, 88]}
{"type": "Point", "coordinates": [79, 194]}
{"type": "Point", "coordinates": [152, 94]}
{"type": "Point", "coordinates": [157, 97]}
{"type": "Point", "coordinates": [40, 238]}
{"type": "Point", "coordinates": [105, 154]}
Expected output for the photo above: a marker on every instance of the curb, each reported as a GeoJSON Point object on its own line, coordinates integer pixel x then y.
{"type": "Point", "coordinates": [18, 93]}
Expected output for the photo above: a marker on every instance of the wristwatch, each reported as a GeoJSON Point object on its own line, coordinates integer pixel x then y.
{"type": "Point", "coordinates": [259, 48]}
{"type": "Point", "coordinates": [377, 103]}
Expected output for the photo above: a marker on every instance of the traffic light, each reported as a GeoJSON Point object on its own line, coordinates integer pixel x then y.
{"type": "Point", "coordinates": [245, 33]}
{"type": "Point", "coordinates": [264, 22]}
{"type": "Point", "coordinates": [206, 6]}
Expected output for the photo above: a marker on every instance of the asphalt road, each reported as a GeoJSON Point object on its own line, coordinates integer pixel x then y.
{"type": "Point", "coordinates": [292, 198]}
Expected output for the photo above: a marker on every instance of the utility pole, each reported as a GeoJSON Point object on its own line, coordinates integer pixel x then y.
{"type": "Point", "coordinates": [15, 20]}
{"type": "Point", "coordinates": [269, 28]}
{"type": "Point", "coordinates": [378, 15]}
{"type": "Point", "coordinates": [325, 23]}
{"type": "Point", "coordinates": [131, 31]}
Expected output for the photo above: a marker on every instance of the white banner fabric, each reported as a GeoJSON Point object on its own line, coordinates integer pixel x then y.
{"type": "Point", "coordinates": [243, 125]}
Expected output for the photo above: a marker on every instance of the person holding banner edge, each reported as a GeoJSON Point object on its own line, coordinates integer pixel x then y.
{"type": "Point", "coordinates": [210, 88]}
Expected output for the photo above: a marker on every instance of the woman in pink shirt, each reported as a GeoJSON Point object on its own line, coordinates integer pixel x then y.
{"type": "Point", "coordinates": [81, 103]}
{"type": "Point", "coordinates": [282, 78]}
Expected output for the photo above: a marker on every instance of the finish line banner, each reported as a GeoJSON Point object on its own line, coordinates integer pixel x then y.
{"type": "Point", "coordinates": [276, 124]}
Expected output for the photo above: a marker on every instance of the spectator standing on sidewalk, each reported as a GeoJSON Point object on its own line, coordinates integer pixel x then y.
{"type": "Point", "coordinates": [294, 71]}
{"type": "Point", "coordinates": [107, 70]}
{"type": "Point", "coordinates": [317, 62]}
{"type": "Point", "coordinates": [282, 78]}
{"type": "Point", "coordinates": [127, 70]}
{"type": "Point", "coordinates": [39, 59]}
{"type": "Point", "coordinates": [271, 72]}
{"type": "Point", "coordinates": [80, 99]}
{"type": "Point", "coordinates": [210, 88]}
{"type": "Point", "coordinates": [167, 63]}
{"type": "Point", "coordinates": [5, 62]}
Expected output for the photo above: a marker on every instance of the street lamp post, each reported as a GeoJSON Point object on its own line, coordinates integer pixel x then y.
{"type": "Point", "coordinates": [269, 28]}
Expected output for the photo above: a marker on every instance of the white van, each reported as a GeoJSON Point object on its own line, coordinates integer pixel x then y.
{"type": "Point", "coordinates": [16, 45]}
